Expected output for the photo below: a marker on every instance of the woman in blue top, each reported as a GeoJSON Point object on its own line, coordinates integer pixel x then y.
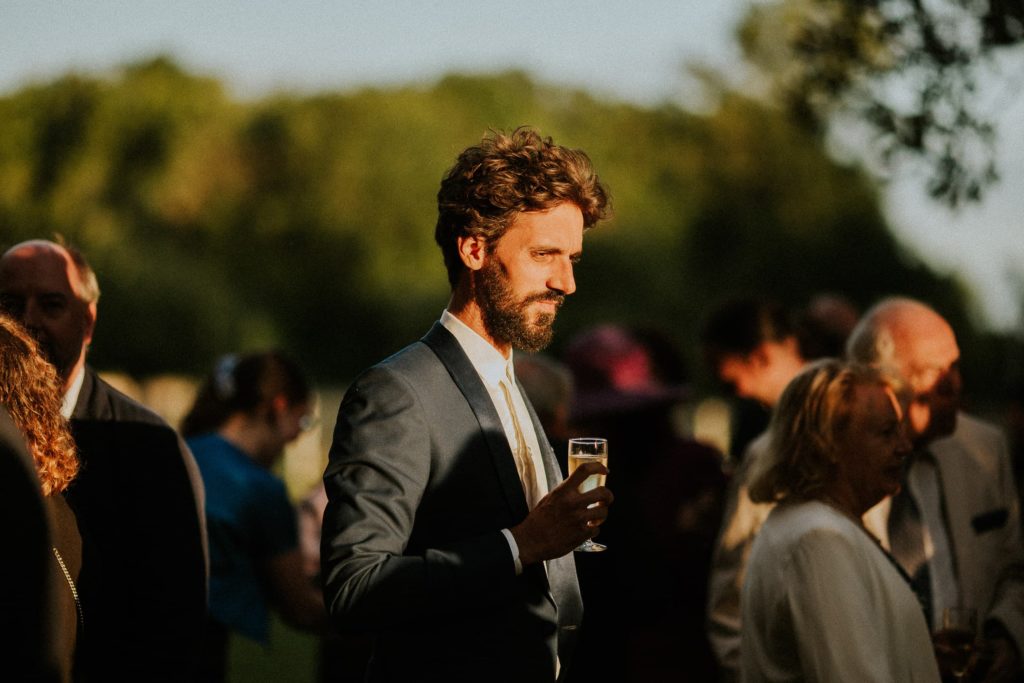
{"type": "Point", "coordinates": [247, 410]}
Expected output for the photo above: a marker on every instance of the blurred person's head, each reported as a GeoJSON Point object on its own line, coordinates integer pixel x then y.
{"type": "Point", "coordinates": [615, 374]}
{"type": "Point", "coordinates": [910, 340]}
{"type": "Point", "coordinates": [837, 434]}
{"type": "Point", "coordinates": [549, 386]}
{"type": "Point", "coordinates": [51, 290]}
{"type": "Point", "coordinates": [751, 345]}
{"type": "Point", "coordinates": [259, 401]}
{"type": "Point", "coordinates": [609, 357]}
{"type": "Point", "coordinates": [31, 392]}
{"type": "Point", "coordinates": [667, 362]}
{"type": "Point", "coordinates": [511, 215]}
{"type": "Point", "coordinates": [824, 326]}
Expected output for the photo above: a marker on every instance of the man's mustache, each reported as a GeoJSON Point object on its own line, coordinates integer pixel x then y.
{"type": "Point", "coordinates": [553, 297]}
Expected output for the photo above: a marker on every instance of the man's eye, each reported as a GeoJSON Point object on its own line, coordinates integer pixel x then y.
{"type": "Point", "coordinates": [11, 304]}
{"type": "Point", "coordinates": [52, 306]}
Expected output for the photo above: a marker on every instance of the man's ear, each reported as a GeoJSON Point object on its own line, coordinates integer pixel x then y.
{"type": "Point", "coordinates": [279, 404]}
{"type": "Point", "coordinates": [472, 251]}
{"type": "Point", "coordinates": [90, 322]}
{"type": "Point", "coordinates": [761, 355]}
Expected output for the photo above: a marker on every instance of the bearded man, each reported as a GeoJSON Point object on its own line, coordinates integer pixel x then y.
{"type": "Point", "coordinates": [449, 532]}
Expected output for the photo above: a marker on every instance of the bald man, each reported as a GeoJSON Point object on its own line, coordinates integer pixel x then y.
{"type": "Point", "coordinates": [958, 486]}
{"type": "Point", "coordinates": [138, 498]}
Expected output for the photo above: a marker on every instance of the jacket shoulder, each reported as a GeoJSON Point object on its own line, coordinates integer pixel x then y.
{"type": "Point", "coordinates": [970, 428]}
{"type": "Point", "coordinates": [975, 444]}
{"type": "Point", "coordinates": [105, 403]}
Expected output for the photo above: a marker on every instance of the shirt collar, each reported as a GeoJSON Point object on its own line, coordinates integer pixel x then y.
{"type": "Point", "coordinates": [67, 407]}
{"type": "Point", "coordinates": [488, 361]}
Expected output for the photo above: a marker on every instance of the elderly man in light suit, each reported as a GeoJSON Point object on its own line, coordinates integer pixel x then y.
{"type": "Point", "coordinates": [955, 527]}
{"type": "Point", "coordinates": [448, 534]}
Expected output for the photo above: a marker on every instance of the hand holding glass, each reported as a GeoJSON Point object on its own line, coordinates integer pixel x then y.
{"type": "Point", "coordinates": [589, 450]}
{"type": "Point", "coordinates": [954, 641]}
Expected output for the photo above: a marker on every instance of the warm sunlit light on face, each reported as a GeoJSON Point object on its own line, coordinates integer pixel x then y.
{"type": "Point", "coordinates": [527, 275]}
{"type": "Point", "coordinates": [872, 447]}
{"type": "Point", "coordinates": [931, 363]}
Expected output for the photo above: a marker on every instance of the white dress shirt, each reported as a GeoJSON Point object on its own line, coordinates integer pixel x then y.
{"type": "Point", "coordinates": [67, 406]}
{"type": "Point", "coordinates": [493, 367]}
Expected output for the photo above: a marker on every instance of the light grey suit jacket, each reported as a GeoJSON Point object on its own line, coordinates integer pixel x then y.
{"type": "Point", "coordinates": [983, 519]}
{"type": "Point", "coordinates": [420, 482]}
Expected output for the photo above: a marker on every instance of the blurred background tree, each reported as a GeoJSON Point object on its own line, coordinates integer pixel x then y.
{"type": "Point", "coordinates": [908, 69]}
{"type": "Point", "coordinates": [307, 221]}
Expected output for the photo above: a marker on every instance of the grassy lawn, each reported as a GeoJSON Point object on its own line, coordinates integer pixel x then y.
{"type": "Point", "coordinates": [290, 658]}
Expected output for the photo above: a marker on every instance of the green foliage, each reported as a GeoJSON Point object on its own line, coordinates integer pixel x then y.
{"type": "Point", "coordinates": [307, 221]}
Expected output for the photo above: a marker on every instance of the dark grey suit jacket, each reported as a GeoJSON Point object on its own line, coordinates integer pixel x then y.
{"type": "Point", "coordinates": [420, 482]}
{"type": "Point", "coordinates": [138, 501]}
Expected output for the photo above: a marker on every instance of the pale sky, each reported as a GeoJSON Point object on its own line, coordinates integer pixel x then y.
{"type": "Point", "coordinates": [630, 51]}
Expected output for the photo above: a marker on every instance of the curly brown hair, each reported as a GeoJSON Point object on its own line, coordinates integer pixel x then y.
{"type": "Point", "coordinates": [509, 174]}
{"type": "Point", "coordinates": [31, 392]}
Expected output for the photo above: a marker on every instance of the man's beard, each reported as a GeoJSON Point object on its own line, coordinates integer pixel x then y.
{"type": "Point", "coordinates": [62, 363]}
{"type": "Point", "coordinates": [507, 320]}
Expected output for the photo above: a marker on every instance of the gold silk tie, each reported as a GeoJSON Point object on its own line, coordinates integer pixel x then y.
{"type": "Point", "coordinates": [524, 463]}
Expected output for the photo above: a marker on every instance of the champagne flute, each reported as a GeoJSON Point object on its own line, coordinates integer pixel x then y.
{"type": "Point", "coordinates": [955, 639]}
{"type": "Point", "coordinates": [589, 450]}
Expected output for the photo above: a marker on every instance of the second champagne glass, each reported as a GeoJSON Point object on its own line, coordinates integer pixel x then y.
{"type": "Point", "coordinates": [589, 450]}
{"type": "Point", "coordinates": [954, 641]}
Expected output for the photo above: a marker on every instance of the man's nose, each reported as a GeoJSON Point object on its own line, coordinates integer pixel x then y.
{"type": "Point", "coordinates": [563, 279]}
{"type": "Point", "coordinates": [949, 383]}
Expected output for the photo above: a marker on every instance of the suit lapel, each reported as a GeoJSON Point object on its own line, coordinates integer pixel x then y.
{"type": "Point", "coordinates": [560, 577]}
{"type": "Point", "coordinates": [465, 376]}
{"type": "Point", "coordinates": [85, 395]}
{"type": "Point", "coordinates": [953, 480]}
{"type": "Point", "coordinates": [563, 587]}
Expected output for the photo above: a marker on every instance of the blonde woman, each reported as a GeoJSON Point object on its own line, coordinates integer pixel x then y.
{"type": "Point", "coordinates": [822, 601]}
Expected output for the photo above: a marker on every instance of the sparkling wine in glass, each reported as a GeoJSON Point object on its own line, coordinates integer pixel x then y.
{"type": "Point", "coordinates": [955, 640]}
{"type": "Point", "coordinates": [589, 450]}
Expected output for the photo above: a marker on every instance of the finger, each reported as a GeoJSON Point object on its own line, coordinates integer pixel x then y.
{"type": "Point", "coordinates": [585, 470]}
{"type": "Point", "coordinates": [601, 494]}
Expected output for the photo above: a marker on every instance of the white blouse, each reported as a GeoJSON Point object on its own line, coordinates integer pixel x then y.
{"type": "Point", "coordinates": [822, 602]}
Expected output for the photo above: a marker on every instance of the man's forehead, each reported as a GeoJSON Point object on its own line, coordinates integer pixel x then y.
{"type": "Point", "coordinates": [561, 225]}
{"type": "Point", "coordinates": [936, 350]}
{"type": "Point", "coordinates": [38, 269]}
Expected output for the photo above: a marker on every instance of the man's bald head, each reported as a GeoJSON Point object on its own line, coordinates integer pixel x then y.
{"type": "Point", "coordinates": [52, 291]}
{"type": "Point", "coordinates": [916, 344]}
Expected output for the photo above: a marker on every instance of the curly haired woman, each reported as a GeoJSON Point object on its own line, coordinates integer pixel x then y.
{"type": "Point", "coordinates": [30, 392]}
